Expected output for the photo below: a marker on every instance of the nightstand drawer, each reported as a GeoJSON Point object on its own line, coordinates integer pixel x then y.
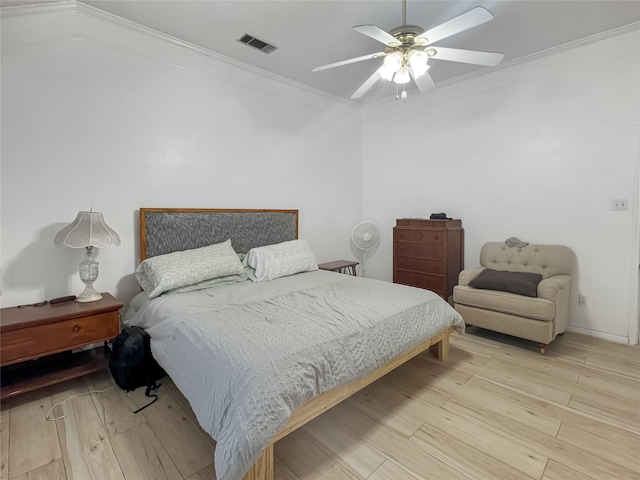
{"type": "Point", "coordinates": [33, 342]}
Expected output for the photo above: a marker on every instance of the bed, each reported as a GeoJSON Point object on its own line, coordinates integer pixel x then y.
{"type": "Point", "coordinates": [261, 352]}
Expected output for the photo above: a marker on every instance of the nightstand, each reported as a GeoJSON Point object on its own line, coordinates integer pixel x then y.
{"type": "Point", "coordinates": [340, 266]}
{"type": "Point", "coordinates": [36, 342]}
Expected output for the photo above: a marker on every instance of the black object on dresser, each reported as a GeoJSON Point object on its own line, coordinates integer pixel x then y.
{"type": "Point", "coordinates": [428, 254]}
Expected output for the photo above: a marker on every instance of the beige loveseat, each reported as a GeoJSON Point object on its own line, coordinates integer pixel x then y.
{"type": "Point", "coordinates": [539, 317]}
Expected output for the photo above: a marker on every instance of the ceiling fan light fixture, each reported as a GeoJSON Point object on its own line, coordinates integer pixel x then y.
{"type": "Point", "coordinates": [418, 62]}
{"type": "Point", "coordinates": [391, 64]}
{"type": "Point", "coordinates": [402, 76]}
{"type": "Point", "coordinates": [393, 61]}
{"type": "Point", "coordinates": [386, 73]}
{"type": "Point", "coordinates": [420, 70]}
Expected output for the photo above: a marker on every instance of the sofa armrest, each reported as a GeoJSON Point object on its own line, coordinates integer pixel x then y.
{"type": "Point", "coordinates": [468, 274]}
{"type": "Point", "coordinates": [551, 287]}
{"type": "Point", "coordinates": [557, 289]}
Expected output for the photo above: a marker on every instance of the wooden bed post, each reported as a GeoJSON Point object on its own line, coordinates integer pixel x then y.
{"type": "Point", "coordinates": [263, 468]}
{"type": "Point", "coordinates": [443, 348]}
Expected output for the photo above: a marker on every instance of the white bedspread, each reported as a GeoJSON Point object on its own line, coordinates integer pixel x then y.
{"type": "Point", "coordinates": [247, 355]}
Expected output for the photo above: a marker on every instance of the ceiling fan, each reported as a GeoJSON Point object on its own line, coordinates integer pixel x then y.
{"type": "Point", "coordinates": [409, 48]}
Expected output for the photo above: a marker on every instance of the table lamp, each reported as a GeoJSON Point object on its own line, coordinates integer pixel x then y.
{"type": "Point", "coordinates": [88, 230]}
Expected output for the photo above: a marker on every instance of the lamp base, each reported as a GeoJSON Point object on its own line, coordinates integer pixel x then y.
{"type": "Point", "coordinates": [88, 274]}
{"type": "Point", "coordinates": [90, 294]}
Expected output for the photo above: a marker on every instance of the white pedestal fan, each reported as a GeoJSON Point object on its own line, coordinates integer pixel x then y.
{"type": "Point", "coordinates": [365, 236]}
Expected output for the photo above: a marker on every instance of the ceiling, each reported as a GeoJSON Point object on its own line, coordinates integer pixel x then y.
{"type": "Point", "coordinates": [311, 33]}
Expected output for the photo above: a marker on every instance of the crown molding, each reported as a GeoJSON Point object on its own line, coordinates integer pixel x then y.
{"type": "Point", "coordinates": [553, 50]}
{"type": "Point", "coordinates": [55, 6]}
{"type": "Point", "coordinates": [39, 8]}
{"type": "Point", "coordinates": [75, 6]}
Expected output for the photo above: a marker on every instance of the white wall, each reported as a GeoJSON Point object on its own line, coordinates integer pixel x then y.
{"type": "Point", "coordinates": [99, 113]}
{"type": "Point", "coordinates": [111, 116]}
{"type": "Point", "coordinates": [535, 150]}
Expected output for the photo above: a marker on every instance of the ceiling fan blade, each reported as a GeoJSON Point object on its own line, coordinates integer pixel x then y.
{"type": "Point", "coordinates": [347, 62]}
{"type": "Point", "coordinates": [369, 82]}
{"type": "Point", "coordinates": [424, 82]}
{"type": "Point", "coordinates": [377, 34]}
{"type": "Point", "coordinates": [472, 18]}
{"type": "Point", "coordinates": [489, 59]}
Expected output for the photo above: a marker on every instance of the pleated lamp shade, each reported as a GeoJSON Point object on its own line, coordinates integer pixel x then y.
{"type": "Point", "coordinates": [87, 230]}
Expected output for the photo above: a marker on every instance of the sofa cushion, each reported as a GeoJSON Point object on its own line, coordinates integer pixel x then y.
{"type": "Point", "coordinates": [520, 283]}
{"type": "Point", "coordinates": [510, 303]}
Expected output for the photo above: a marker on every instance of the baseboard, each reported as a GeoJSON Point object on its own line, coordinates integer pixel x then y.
{"type": "Point", "coordinates": [605, 336]}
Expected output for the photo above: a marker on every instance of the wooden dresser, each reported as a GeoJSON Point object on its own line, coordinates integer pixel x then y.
{"type": "Point", "coordinates": [428, 254]}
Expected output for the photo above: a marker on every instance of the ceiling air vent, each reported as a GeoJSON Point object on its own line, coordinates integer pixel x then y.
{"type": "Point", "coordinates": [257, 43]}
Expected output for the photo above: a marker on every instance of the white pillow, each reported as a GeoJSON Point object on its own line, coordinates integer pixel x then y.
{"type": "Point", "coordinates": [281, 259]}
{"type": "Point", "coordinates": [178, 269]}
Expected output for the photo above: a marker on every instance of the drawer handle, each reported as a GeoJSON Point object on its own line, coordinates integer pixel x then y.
{"type": "Point", "coordinates": [76, 328]}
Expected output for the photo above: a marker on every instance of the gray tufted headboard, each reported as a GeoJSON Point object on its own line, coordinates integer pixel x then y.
{"type": "Point", "coordinates": [166, 230]}
{"type": "Point", "coordinates": [548, 260]}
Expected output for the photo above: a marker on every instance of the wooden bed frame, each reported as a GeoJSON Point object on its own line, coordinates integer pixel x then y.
{"type": "Point", "coordinates": [263, 468]}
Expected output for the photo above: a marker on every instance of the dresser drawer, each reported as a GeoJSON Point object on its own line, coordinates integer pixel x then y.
{"type": "Point", "coordinates": [420, 265]}
{"type": "Point", "coordinates": [421, 280]}
{"type": "Point", "coordinates": [430, 223]}
{"type": "Point", "coordinates": [33, 342]}
{"type": "Point", "coordinates": [420, 236]}
{"type": "Point", "coordinates": [420, 250]}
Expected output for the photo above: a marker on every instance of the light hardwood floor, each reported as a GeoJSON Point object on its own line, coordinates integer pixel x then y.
{"type": "Point", "coordinates": [496, 409]}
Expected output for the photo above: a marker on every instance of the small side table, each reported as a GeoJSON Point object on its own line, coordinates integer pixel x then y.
{"type": "Point", "coordinates": [340, 266]}
{"type": "Point", "coordinates": [36, 342]}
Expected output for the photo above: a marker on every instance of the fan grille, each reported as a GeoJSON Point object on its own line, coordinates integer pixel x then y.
{"type": "Point", "coordinates": [365, 235]}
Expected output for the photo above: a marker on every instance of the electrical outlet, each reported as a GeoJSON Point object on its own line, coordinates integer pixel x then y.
{"type": "Point", "coordinates": [582, 300]}
{"type": "Point", "coordinates": [619, 204]}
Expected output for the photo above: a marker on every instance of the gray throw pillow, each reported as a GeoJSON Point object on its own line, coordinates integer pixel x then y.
{"type": "Point", "coordinates": [520, 283]}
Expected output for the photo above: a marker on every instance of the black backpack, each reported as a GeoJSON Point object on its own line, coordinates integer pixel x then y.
{"type": "Point", "coordinates": [132, 364]}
